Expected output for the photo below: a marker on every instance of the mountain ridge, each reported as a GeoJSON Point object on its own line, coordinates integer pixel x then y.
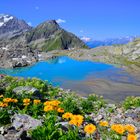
{"type": "Point", "coordinates": [23, 46]}
{"type": "Point", "coordinates": [110, 41]}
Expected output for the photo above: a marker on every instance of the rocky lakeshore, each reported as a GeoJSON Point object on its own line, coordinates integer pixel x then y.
{"type": "Point", "coordinates": [32, 109]}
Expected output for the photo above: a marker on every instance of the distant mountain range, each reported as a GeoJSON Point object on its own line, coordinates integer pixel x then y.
{"type": "Point", "coordinates": [110, 42]}
{"type": "Point", "coordinates": [21, 44]}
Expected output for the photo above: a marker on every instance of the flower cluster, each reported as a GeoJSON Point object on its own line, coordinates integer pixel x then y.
{"type": "Point", "coordinates": [27, 101]}
{"type": "Point", "coordinates": [130, 129]}
{"type": "Point", "coordinates": [6, 101]}
{"type": "Point", "coordinates": [53, 105]}
{"type": "Point", "coordinates": [119, 128]}
{"type": "Point", "coordinates": [76, 120]}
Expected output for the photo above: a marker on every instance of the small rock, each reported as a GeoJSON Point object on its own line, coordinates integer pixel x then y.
{"type": "Point", "coordinates": [11, 135]}
{"type": "Point", "coordinates": [64, 125]}
{"type": "Point", "coordinates": [98, 118]}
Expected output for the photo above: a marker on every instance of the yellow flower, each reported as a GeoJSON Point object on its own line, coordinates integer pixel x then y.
{"type": "Point", "coordinates": [3, 104]}
{"type": "Point", "coordinates": [48, 108]}
{"type": "Point", "coordinates": [1, 96]}
{"type": "Point", "coordinates": [53, 103]}
{"type": "Point", "coordinates": [73, 122]}
{"type": "Point", "coordinates": [36, 102]}
{"type": "Point", "coordinates": [118, 128]}
{"type": "Point", "coordinates": [130, 128]}
{"type": "Point", "coordinates": [47, 103]}
{"type": "Point", "coordinates": [67, 115]}
{"type": "Point", "coordinates": [60, 110]}
{"type": "Point", "coordinates": [76, 120]}
{"type": "Point", "coordinates": [90, 128]}
{"type": "Point", "coordinates": [131, 137]}
{"type": "Point", "coordinates": [77, 117]}
{"type": "Point", "coordinates": [7, 100]}
{"type": "Point", "coordinates": [14, 100]}
{"type": "Point", "coordinates": [103, 123]}
{"type": "Point", "coordinates": [26, 100]}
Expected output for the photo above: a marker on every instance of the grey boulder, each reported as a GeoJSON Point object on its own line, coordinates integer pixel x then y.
{"type": "Point", "coordinates": [27, 90]}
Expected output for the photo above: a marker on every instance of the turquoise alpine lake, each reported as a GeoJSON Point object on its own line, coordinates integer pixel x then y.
{"type": "Point", "coordinates": [65, 68]}
{"type": "Point", "coordinates": [83, 77]}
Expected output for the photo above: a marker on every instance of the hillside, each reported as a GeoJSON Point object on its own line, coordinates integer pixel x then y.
{"type": "Point", "coordinates": [120, 54]}
{"type": "Point", "coordinates": [127, 55]}
{"type": "Point", "coordinates": [23, 45]}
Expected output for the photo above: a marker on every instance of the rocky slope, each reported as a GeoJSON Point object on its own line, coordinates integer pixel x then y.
{"type": "Point", "coordinates": [127, 55]}
{"type": "Point", "coordinates": [50, 36]}
{"type": "Point", "coordinates": [21, 45]}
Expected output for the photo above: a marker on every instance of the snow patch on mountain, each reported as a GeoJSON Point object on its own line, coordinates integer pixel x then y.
{"type": "Point", "coordinates": [4, 19]}
{"type": "Point", "coordinates": [1, 24]}
{"type": "Point", "coordinates": [7, 18]}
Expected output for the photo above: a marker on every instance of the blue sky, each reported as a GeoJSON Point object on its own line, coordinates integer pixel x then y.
{"type": "Point", "coordinates": [97, 19]}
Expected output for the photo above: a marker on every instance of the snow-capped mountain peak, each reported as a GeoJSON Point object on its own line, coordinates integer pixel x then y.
{"type": "Point", "coordinates": [4, 19]}
{"type": "Point", "coordinates": [10, 26]}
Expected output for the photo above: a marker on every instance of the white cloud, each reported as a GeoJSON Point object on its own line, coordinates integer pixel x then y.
{"type": "Point", "coordinates": [37, 8]}
{"type": "Point", "coordinates": [60, 21]}
{"type": "Point", "coordinates": [30, 23]}
{"type": "Point", "coordinates": [86, 39]}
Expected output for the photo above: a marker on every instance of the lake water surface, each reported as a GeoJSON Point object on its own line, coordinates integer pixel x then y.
{"type": "Point", "coordinates": [70, 73]}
